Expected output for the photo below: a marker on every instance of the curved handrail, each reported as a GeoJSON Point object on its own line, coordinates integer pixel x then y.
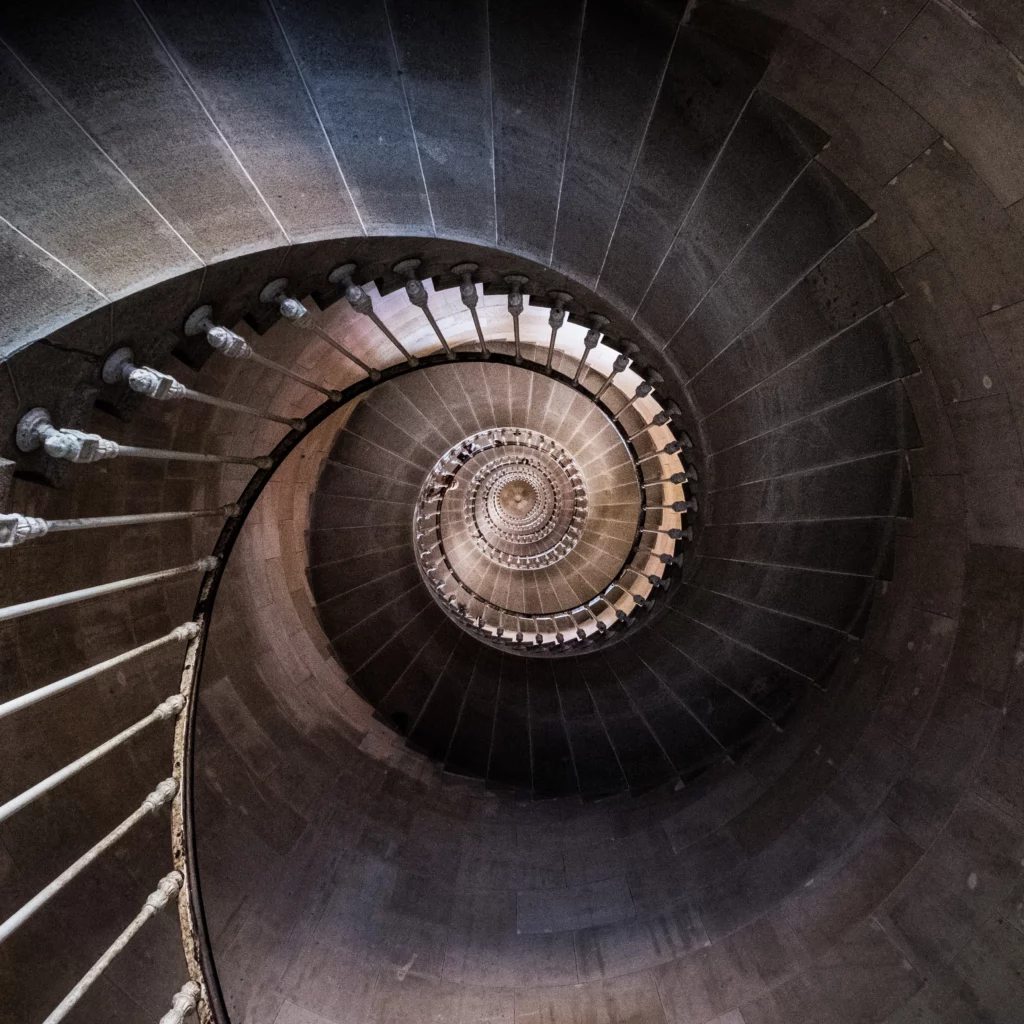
{"type": "Point", "coordinates": [195, 933]}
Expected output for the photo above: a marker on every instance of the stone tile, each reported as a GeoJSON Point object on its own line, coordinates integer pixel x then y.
{"type": "Point", "coordinates": [685, 989]}
{"type": "Point", "coordinates": [712, 811]}
{"type": "Point", "coordinates": [864, 976]}
{"type": "Point", "coordinates": [929, 922]}
{"type": "Point", "coordinates": [982, 247]}
{"type": "Point", "coordinates": [937, 313]}
{"type": "Point", "coordinates": [947, 757]}
{"type": "Point", "coordinates": [876, 764]}
{"type": "Point", "coordinates": [1001, 778]}
{"type": "Point", "coordinates": [828, 908]}
{"type": "Point", "coordinates": [860, 31]}
{"type": "Point", "coordinates": [292, 1014]}
{"type": "Point", "coordinates": [975, 100]}
{"type": "Point", "coordinates": [796, 1001]}
{"type": "Point", "coordinates": [1004, 329]}
{"type": "Point", "coordinates": [916, 675]}
{"type": "Point", "coordinates": [583, 906]}
{"type": "Point", "coordinates": [996, 508]}
{"type": "Point", "coordinates": [632, 997]}
{"type": "Point", "coordinates": [750, 960]}
{"type": "Point", "coordinates": [991, 967]}
{"type": "Point", "coordinates": [868, 125]}
{"type": "Point", "coordinates": [990, 626]}
{"type": "Point", "coordinates": [939, 455]}
{"type": "Point", "coordinates": [614, 950]}
{"type": "Point", "coordinates": [893, 234]}
{"type": "Point", "coordinates": [324, 981]}
{"type": "Point", "coordinates": [484, 948]}
{"type": "Point", "coordinates": [985, 435]}
{"type": "Point", "coordinates": [979, 854]}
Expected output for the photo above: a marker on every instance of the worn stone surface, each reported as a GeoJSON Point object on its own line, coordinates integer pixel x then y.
{"type": "Point", "coordinates": [864, 865]}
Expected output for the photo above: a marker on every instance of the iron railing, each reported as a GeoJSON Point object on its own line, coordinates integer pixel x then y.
{"type": "Point", "coordinates": [634, 588]}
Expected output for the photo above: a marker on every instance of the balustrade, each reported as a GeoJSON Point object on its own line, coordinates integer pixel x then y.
{"type": "Point", "coordinates": [590, 342]}
{"type": "Point", "coordinates": [152, 383]}
{"type": "Point", "coordinates": [555, 320]}
{"type": "Point", "coordinates": [291, 309]}
{"type": "Point", "coordinates": [36, 429]}
{"type": "Point", "coordinates": [467, 290]}
{"type": "Point", "coordinates": [234, 346]}
{"type": "Point", "coordinates": [641, 576]}
{"type": "Point", "coordinates": [362, 303]}
{"type": "Point", "coordinates": [418, 297]}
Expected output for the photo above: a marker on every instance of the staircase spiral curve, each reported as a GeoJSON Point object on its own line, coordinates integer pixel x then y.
{"type": "Point", "coordinates": [496, 474]}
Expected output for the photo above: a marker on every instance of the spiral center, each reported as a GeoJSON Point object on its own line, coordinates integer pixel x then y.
{"type": "Point", "coordinates": [517, 498]}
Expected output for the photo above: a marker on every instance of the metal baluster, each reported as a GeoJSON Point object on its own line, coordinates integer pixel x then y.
{"type": "Point", "coordinates": [35, 429]}
{"type": "Point", "coordinates": [675, 478]}
{"type": "Point", "coordinates": [291, 309]}
{"type": "Point", "coordinates": [643, 389]}
{"type": "Point", "coordinates": [675, 534]}
{"type": "Point", "coordinates": [234, 346]}
{"type": "Point", "coordinates": [661, 419]}
{"type": "Point", "coordinates": [418, 297]}
{"type": "Point", "coordinates": [676, 506]}
{"type": "Point", "coordinates": [555, 320]}
{"type": "Point", "coordinates": [590, 342]}
{"type": "Point", "coordinates": [361, 302]}
{"type": "Point", "coordinates": [183, 1005]}
{"type": "Point", "coordinates": [168, 708]}
{"type": "Point", "coordinates": [162, 386]}
{"type": "Point", "coordinates": [15, 611]}
{"type": "Point", "coordinates": [470, 298]}
{"type": "Point", "coordinates": [16, 528]}
{"type": "Point", "coordinates": [160, 796]}
{"type": "Point", "coordinates": [619, 366]}
{"type": "Point", "coordinates": [670, 449]}
{"type": "Point", "coordinates": [167, 890]}
{"type": "Point", "coordinates": [515, 306]}
{"type": "Point", "coordinates": [186, 631]}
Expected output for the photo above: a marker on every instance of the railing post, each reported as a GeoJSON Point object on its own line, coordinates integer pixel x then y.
{"type": "Point", "coordinates": [555, 320]}
{"type": "Point", "coordinates": [643, 389]}
{"type": "Point", "coordinates": [291, 309]}
{"type": "Point", "coordinates": [622, 361]}
{"type": "Point", "coordinates": [163, 387]}
{"type": "Point", "coordinates": [361, 302]}
{"type": "Point", "coordinates": [186, 631]}
{"type": "Point", "coordinates": [675, 478]}
{"type": "Point", "coordinates": [662, 418]}
{"type": "Point", "coordinates": [234, 346]}
{"type": "Point", "coordinates": [168, 889]}
{"type": "Point", "coordinates": [515, 306]}
{"type": "Point", "coordinates": [590, 342]}
{"type": "Point", "coordinates": [677, 506]}
{"type": "Point", "coordinates": [166, 709]}
{"type": "Point", "coordinates": [183, 1005]}
{"type": "Point", "coordinates": [160, 796]}
{"type": "Point", "coordinates": [36, 429]}
{"type": "Point", "coordinates": [15, 611]}
{"type": "Point", "coordinates": [470, 298]}
{"type": "Point", "coordinates": [672, 448]}
{"type": "Point", "coordinates": [418, 297]}
{"type": "Point", "coordinates": [16, 528]}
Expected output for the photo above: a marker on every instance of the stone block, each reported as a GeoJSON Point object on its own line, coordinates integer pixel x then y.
{"type": "Point", "coordinates": [937, 313]}
{"type": "Point", "coordinates": [829, 907]}
{"type": "Point", "coordinates": [981, 246]}
{"type": "Point", "coordinates": [983, 113]}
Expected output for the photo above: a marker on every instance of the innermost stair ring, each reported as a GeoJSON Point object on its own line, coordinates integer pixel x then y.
{"type": "Point", "coordinates": [501, 500]}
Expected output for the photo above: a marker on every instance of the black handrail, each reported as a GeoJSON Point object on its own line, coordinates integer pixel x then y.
{"type": "Point", "coordinates": [186, 856]}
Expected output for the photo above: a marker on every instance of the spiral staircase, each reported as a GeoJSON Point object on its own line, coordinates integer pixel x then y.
{"type": "Point", "coordinates": [528, 498]}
